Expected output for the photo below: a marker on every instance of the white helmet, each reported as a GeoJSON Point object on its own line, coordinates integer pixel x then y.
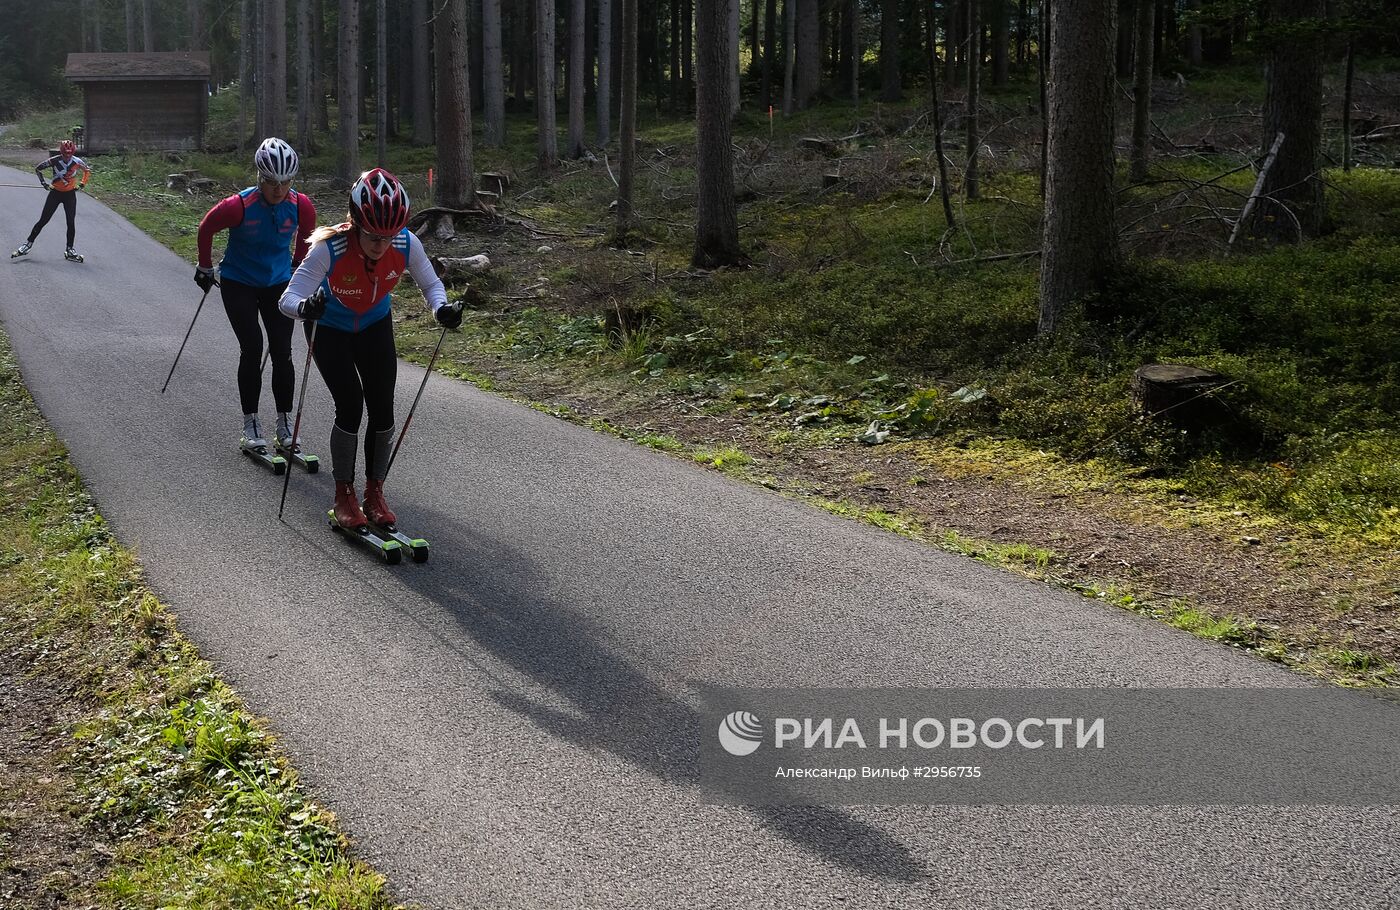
{"type": "Point", "coordinates": [276, 160]}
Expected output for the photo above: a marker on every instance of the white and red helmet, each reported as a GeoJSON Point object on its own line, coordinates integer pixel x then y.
{"type": "Point", "coordinates": [67, 147]}
{"type": "Point", "coordinates": [276, 160]}
{"type": "Point", "coordinates": [379, 203]}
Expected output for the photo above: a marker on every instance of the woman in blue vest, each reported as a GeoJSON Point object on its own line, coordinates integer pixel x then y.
{"type": "Point", "coordinates": [262, 222]}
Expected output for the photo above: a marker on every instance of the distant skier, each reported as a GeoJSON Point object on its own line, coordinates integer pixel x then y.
{"type": "Point", "coordinates": [263, 224]}
{"type": "Point", "coordinates": [63, 190]}
{"type": "Point", "coordinates": [345, 283]}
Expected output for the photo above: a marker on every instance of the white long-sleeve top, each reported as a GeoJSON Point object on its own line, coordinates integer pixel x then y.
{"type": "Point", "coordinates": [341, 254]}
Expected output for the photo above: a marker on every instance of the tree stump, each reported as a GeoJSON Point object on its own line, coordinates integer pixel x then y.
{"type": "Point", "coordinates": [830, 180]}
{"type": "Point", "coordinates": [1180, 394]}
{"type": "Point", "coordinates": [177, 182]}
{"type": "Point", "coordinates": [202, 184]}
{"type": "Point", "coordinates": [495, 183]}
{"type": "Point", "coordinates": [821, 146]}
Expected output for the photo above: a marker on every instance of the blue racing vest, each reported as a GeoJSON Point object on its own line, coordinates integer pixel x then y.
{"type": "Point", "coordinates": [259, 250]}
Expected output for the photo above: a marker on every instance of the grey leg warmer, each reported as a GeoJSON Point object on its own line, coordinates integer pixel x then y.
{"type": "Point", "coordinates": [378, 447]}
{"type": "Point", "coordinates": [343, 454]}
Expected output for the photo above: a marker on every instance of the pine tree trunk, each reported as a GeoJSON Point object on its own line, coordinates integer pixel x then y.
{"type": "Point", "coordinates": [576, 112]}
{"type": "Point", "coordinates": [421, 72]}
{"type": "Point", "coordinates": [320, 104]}
{"type": "Point", "coordinates": [194, 13]}
{"type": "Point", "coordinates": [1126, 37]}
{"type": "Point", "coordinates": [688, 53]}
{"type": "Point", "coordinates": [493, 75]}
{"type": "Point", "coordinates": [605, 80]}
{"type": "Point", "coordinates": [304, 84]}
{"type": "Point", "coordinates": [133, 37]}
{"type": "Point", "coordinates": [734, 27]}
{"type": "Point", "coordinates": [1142, 91]}
{"type": "Point", "coordinates": [1293, 106]}
{"type": "Point", "coordinates": [851, 49]}
{"type": "Point", "coordinates": [148, 33]}
{"type": "Point", "coordinates": [717, 223]}
{"type": "Point", "coordinates": [937, 117]}
{"type": "Point", "coordinates": [627, 130]}
{"type": "Point", "coordinates": [809, 52]}
{"type": "Point", "coordinates": [1044, 53]}
{"type": "Point", "coordinates": [476, 75]}
{"type": "Point", "coordinates": [453, 186]}
{"type": "Point", "coordinates": [1080, 246]}
{"type": "Point", "coordinates": [381, 82]}
{"type": "Point", "coordinates": [972, 184]}
{"type": "Point", "coordinates": [890, 88]}
{"type": "Point", "coordinates": [789, 56]}
{"type": "Point", "coordinates": [770, 28]}
{"type": "Point", "coordinates": [348, 90]}
{"type": "Point", "coordinates": [1194, 45]}
{"type": "Point", "coordinates": [1347, 82]}
{"type": "Point", "coordinates": [1001, 58]}
{"type": "Point", "coordinates": [952, 39]}
{"type": "Point", "coordinates": [544, 84]}
{"type": "Point", "coordinates": [247, 60]}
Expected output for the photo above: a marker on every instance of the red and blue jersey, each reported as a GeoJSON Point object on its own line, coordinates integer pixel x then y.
{"type": "Point", "coordinates": [357, 292]}
{"type": "Point", "coordinates": [260, 236]}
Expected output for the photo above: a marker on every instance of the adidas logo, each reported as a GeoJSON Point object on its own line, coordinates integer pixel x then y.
{"type": "Point", "coordinates": [392, 274]}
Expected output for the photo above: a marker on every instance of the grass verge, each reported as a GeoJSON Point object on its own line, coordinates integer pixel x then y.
{"type": "Point", "coordinates": [160, 758]}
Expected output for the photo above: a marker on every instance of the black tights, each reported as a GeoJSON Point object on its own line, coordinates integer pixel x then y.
{"type": "Point", "coordinates": [69, 201]}
{"type": "Point", "coordinates": [244, 303]}
{"type": "Point", "coordinates": [360, 369]}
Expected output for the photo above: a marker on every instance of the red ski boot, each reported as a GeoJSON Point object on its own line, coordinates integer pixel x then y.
{"type": "Point", "coordinates": [376, 509]}
{"type": "Point", "coordinates": [347, 510]}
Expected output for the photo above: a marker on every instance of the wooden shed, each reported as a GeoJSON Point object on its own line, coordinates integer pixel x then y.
{"type": "Point", "coordinates": [142, 101]}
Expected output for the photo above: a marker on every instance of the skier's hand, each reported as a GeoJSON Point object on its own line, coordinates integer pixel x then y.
{"type": "Point", "coordinates": [206, 278]}
{"type": "Point", "coordinates": [313, 307]}
{"type": "Point", "coordinates": [449, 315]}
{"type": "Point", "coordinates": [44, 183]}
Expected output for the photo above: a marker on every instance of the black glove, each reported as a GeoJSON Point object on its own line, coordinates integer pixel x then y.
{"type": "Point", "coordinates": [449, 315]}
{"type": "Point", "coordinates": [313, 307]}
{"type": "Point", "coordinates": [44, 183]}
{"type": "Point", "coordinates": [206, 278]}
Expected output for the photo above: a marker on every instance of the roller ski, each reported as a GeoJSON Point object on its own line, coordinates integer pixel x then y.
{"type": "Point", "coordinates": [23, 249]}
{"type": "Point", "coordinates": [351, 523]}
{"type": "Point", "coordinates": [383, 521]}
{"type": "Point", "coordinates": [72, 255]}
{"type": "Point", "coordinates": [255, 447]}
{"type": "Point", "coordinates": [290, 448]}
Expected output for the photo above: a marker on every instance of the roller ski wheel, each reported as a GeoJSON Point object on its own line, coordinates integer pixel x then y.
{"type": "Point", "coordinates": [417, 547]}
{"type": "Point", "coordinates": [261, 455]}
{"type": "Point", "coordinates": [72, 255]}
{"type": "Point", "coordinates": [22, 250]}
{"type": "Point", "coordinates": [390, 550]}
{"type": "Point", "coordinates": [293, 453]}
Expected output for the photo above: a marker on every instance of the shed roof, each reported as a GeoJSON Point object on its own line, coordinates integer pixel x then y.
{"type": "Point", "coordinates": [165, 65]}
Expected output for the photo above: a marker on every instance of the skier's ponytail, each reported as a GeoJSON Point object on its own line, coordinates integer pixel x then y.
{"type": "Point", "coordinates": [327, 231]}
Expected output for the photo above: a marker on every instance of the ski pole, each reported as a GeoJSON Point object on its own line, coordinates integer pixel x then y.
{"type": "Point", "coordinates": [183, 343]}
{"type": "Point", "coordinates": [296, 426]}
{"type": "Point", "coordinates": [408, 420]}
{"type": "Point", "coordinates": [24, 186]}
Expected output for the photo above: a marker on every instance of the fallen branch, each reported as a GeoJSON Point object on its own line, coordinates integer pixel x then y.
{"type": "Point", "coordinates": [1258, 190]}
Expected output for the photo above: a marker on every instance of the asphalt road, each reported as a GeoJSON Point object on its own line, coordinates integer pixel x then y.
{"type": "Point", "coordinates": [512, 724]}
